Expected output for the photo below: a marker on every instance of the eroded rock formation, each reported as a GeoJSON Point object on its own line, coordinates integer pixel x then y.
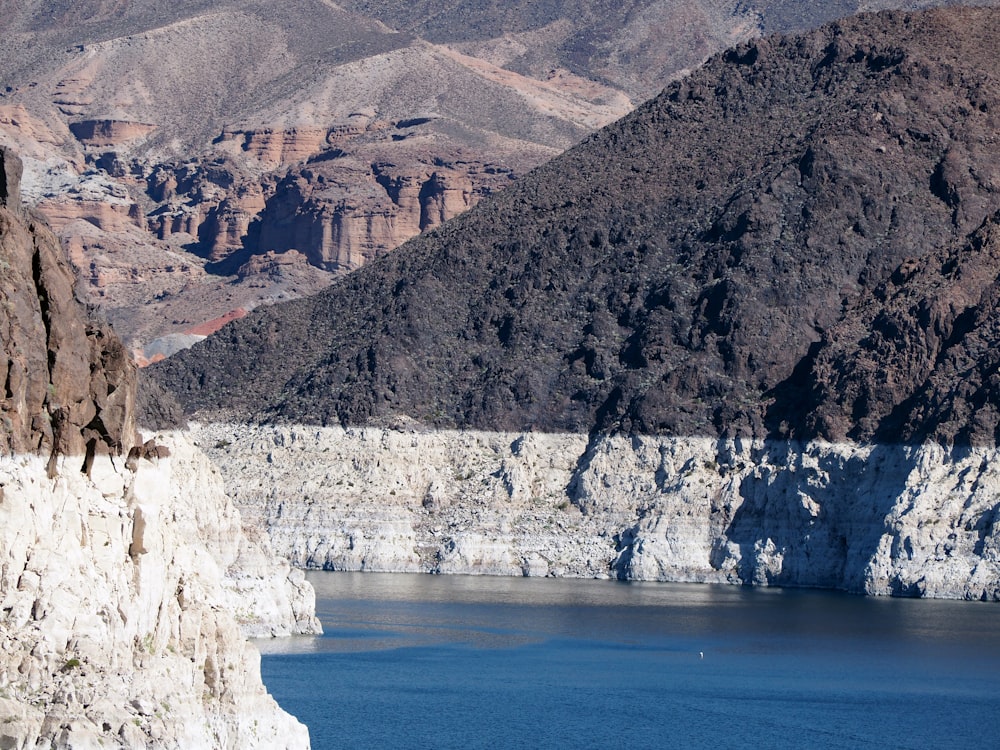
{"type": "Point", "coordinates": [122, 595]}
{"type": "Point", "coordinates": [70, 384]}
{"type": "Point", "coordinates": [126, 572]}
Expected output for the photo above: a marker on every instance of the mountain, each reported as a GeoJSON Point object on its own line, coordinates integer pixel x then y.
{"type": "Point", "coordinates": [202, 159]}
{"type": "Point", "coordinates": [697, 268]}
{"type": "Point", "coordinates": [253, 150]}
{"type": "Point", "coordinates": [743, 335]}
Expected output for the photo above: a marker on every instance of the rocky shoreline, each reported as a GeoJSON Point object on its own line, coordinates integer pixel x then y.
{"type": "Point", "coordinates": [873, 519]}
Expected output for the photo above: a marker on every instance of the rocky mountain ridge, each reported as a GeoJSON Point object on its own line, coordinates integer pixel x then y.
{"type": "Point", "coordinates": [744, 335]}
{"type": "Point", "coordinates": [267, 148]}
{"type": "Point", "coordinates": [70, 384]}
{"type": "Point", "coordinates": [690, 270]}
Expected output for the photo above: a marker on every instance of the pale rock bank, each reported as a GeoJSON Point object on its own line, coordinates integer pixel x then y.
{"type": "Point", "coordinates": [123, 593]}
{"type": "Point", "coordinates": [882, 520]}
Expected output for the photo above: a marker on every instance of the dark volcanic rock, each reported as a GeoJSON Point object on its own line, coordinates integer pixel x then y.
{"type": "Point", "coordinates": [916, 359]}
{"type": "Point", "coordinates": [69, 383]}
{"type": "Point", "coordinates": [716, 263]}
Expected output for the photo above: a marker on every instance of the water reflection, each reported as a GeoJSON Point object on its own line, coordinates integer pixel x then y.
{"type": "Point", "coordinates": [376, 611]}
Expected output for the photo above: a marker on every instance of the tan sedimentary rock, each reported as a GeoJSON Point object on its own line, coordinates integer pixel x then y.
{"type": "Point", "coordinates": [226, 227]}
{"type": "Point", "coordinates": [107, 133]}
{"type": "Point", "coordinates": [105, 215]}
{"type": "Point", "coordinates": [342, 233]}
{"type": "Point", "coordinates": [277, 147]}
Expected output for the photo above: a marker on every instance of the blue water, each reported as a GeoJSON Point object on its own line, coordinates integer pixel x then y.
{"type": "Point", "coordinates": [412, 661]}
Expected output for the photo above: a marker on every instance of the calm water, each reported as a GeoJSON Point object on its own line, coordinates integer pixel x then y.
{"type": "Point", "coordinates": [417, 661]}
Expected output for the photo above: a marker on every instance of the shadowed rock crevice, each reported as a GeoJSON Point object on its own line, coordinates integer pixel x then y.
{"type": "Point", "coordinates": [798, 526]}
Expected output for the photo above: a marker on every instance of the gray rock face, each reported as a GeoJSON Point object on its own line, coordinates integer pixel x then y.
{"type": "Point", "coordinates": [881, 520]}
{"type": "Point", "coordinates": [10, 179]}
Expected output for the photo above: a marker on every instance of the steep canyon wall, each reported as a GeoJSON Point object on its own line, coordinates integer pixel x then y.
{"type": "Point", "coordinates": [123, 593]}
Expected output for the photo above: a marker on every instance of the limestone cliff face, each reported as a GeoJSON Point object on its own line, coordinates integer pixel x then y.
{"type": "Point", "coordinates": [127, 581]}
{"type": "Point", "coordinates": [876, 519]}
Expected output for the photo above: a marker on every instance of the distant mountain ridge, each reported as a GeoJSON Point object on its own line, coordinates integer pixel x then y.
{"type": "Point", "coordinates": [727, 260]}
{"type": "Point", "coordinates": [205, 156]}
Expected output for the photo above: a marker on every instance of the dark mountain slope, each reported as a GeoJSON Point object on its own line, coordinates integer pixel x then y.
{"type": "Point", "coordinates": [916, 359]}
{"type": "Point", "coordinates": [678, 272]}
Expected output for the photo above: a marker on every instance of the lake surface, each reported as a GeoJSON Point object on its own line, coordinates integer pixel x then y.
{"type": "Point", "coordinates": [421, 661]}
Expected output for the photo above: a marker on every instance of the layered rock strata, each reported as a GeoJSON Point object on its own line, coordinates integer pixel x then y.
{"type": "Point", "coordinates": [876, 519]}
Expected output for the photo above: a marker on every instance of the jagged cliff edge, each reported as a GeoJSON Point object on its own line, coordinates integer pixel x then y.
{"type": "Point", "coordinates": [126, 572]}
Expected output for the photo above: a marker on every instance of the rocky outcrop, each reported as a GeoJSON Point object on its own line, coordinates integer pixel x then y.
{"type": "Point", "coordinates": [118, 625]}
{"type": "Point", "coordinates": [70, 384]}
{"type": "Point", "coordinates": [279, 147]}
{"type": "Point", "coordinates": [342, 215]}
{"type": "Point", "coordinates": [10, 180]}
{"type": "Point", "coordinates": [914, 360]}
{"type": "Point", "coordinates": [265, 595]}
{"type": "Point", "coordinates": [880, 520]}
{"type": "Point", "coordinates": [125, 572]}
{"type": "Point", "coordinates": [109, 133]}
